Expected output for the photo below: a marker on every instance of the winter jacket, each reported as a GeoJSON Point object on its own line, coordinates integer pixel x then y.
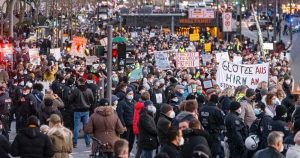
{"type": "Point", "coordinates": [61, 140]}
{"type": "Point", "coordinates": [39, 97]}
{"type": "Point", "coordinates": [31, 143]}
{"type": "Point", "coordinates": [25, 110]}
{"type": "Point", "coordinates": [5, 104]}
{"type": "Point", "coordinates": [51, 76]}
{"type": "Point", "coordinates": [293, 152]}
{"type": "Point", "coordinates": [279, 124]}
{"type": "Point", "coordinates": [136, 116]}
{"type": "Point", "coordinates": [81, 99]}
{"type": "Point", "coordinates": [192, 138]}
{"type": "Point", "coordinates": [46, 112]}
{"type": "Point", "coordinates": [163, 124]}
{"type": "Point", "coordinates": [225, 103]}
{"type": "Point", "coordinates": [171, 150]}
{"type": "Point", "coordinates": [269, 152]}
{"type": "Point", "coordinates": [247, 115]}
{"type": "Point", "coordinates": [105, 125]}
{"type": "Point", "coordinates": [4, 147]}
{"type": "Point", "coordinates": [125, 111]}
{"type": "Point", "coordinates": [148, 131]}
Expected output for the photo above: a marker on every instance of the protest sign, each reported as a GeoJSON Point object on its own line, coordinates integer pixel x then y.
{"type": "Point", "coordinates": [89, 60]}
{"type": "Point", "coordinates": [206, 58]}
{"type": "Point", "coordinates": [162, 60]}
{"type": "Point", "coordinates": [207, 47]}
{"type": "Point", "coordinates": [78, 46]}
{"type": "Point", "coordinates": [135, 75]}
{"type": "Point", "coordinates": [233, 75]}
{"type": "Point", "coordinates": [207, 84]}
{"type": "Point", "coordinates": [194, 37]}
{"type": "Point", "coordinates": [7, 51]}
{"type": "Point", "coordinates": [237, 59]}
{"type": "Point", "coordinates": [56, 53]}
{"type": "Point", "coordinates": [34, 56]}
{"type": "Point", "coordinates": [285, 55]}
{"type": "Point", "coordinates": [187, 60]}
{"type": "Point", "coordinates": [222, 56]}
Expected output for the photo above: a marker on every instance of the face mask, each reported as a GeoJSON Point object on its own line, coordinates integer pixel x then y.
{"type": "Point", "coordinates": [181, 91]}
{"type": "Point", "coordinates": [172, 114]}
{"type": "Point", "coordinates": [151, 109]}
{"type": "Point", "coordinates": [25, 72]}
{"type": "Point", "coordinates": [257, 111]}
{"type": "Point", "coordinates": [114, 107]}
{"type": "Point", "coordinates": [25, 93]}
{"type": "Point", "coordinates": [281, 148]}
{"type": "Point", "coordinates": [116, 79]}
{"type": "Point", "coordinates": [142, 91]}
{"type": "Point", "coordinates": [184, 83]}
{"type": "Point", "coordinates": [199, 92]}
{"type": "Point", "coordinates": [288, 82]}
{"type": "Point", "coordinates": [274, 102]}
{"type": "Point", "coordinates": [63, 81]}
{"type": "Point", "coordinates": [129, 97]}
{"type": "Point", "coordinates": [157, 84]}
{"type": "Point", "coordinates": [22, 83]}
{"type": "Point", "coordinates": [239, 110]}
{"type": "Point", "coordinates": [115, 102]}
{"type": "Point", "coordinates": [175, 99]}
{"type": "Point", "coordinates": [181, 141]}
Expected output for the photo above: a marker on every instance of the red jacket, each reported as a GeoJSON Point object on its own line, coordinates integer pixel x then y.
{"type": "Point", "coordinates": [136, 116]}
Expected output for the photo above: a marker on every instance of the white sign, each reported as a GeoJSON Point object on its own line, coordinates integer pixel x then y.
{"type": "Point", "coordinates": [233, 75]}
{"type": "Point", "coordinates": [162, 60]}
{"type": "Point", "coordinates": [56, 53]}
{"type": "Point", "coordinates": [287, 56]}
{"type": "Point", "coordinates": [227, 21]}
{"type": "Point", "coordinates": [201, 13]}
{"type": "Point", "coordinates": [206, 58]}
{"type": "Point", "coordinates": [237, 59]}
{"type": "Point", "coordinates": [222, 56]}
{"type": "Point", "coordinates": [90, 60]}
{"type": "Point", "coordinates": [34, 56]}
{"type": "Point", "coordinates": [187, 60]}
{"type": "Point", "coordinates": [268, 46]}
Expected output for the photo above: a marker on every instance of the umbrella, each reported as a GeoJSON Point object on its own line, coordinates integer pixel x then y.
{"type": "Point", "coordinates": [119, 39]}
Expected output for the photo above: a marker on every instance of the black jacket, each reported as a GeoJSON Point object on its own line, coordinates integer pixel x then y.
{"type": "Point", "coordinates": [125, 112]}
{"type": "Point", "coordinates": [26, 109]}
{"type": "Point", "coordinates": [225, 103]}
{"type": "Point", "coordinates": [81, 99]}
{"type": "Point", "coordinates": [31, 143]}
{"type": "Point", "coordinates": [5, 104]}
{"type": "Point", "coordinates": [4, 147]}
{"type": "Point", "coordinates": [172, 150]}
{"type": "Point", "coordinates": [289, 103]}
{"type": "Point", "coordinates": [192, 138]}
{"type": "Point", "coordinates": [163, 125]}
{"type": "Point", "coordinates": [236, 134]}
{"type": "Point", "coordinates": [212, 118]}
{"type": "Point", "coordinates": [279, 124]}
{"type": "Point", "coordinates": [147, 131]}
{"type": "Point", "coordinates": [269, 152]}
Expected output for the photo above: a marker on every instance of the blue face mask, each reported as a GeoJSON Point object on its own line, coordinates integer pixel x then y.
{"type": "Point", "coordinates": [257, 111]}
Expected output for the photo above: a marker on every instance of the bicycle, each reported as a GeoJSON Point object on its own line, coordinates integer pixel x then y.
{"type": "Point", "coordinates": [99, 150]}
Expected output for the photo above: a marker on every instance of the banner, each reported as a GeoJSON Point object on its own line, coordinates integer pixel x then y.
{"type": "Point", "coordinates": [194, 37]}
{"type": "Point", "coordinates": [78, 46]}
{"type": "Point", "coordinates": [162, 60]}
{"type": "Point", "coordinates": [56, 53]}
{"type": "Point", "coordinates": [222, 56]}
{"type": "Point", "coordinates": [237, 59]}
{"type": "Point", "coordinates": [233, 75]}
{"type": "Point", "coordinates": [34, 56]}
{"type": "Point", "coordinates": [89, 60]}
{"type": "Point", "coordinates": [206, 58]}
{"type": "Point", "coordinates": [227, 21]}
{"type": "Point", "coordinates": [187, 60]}
{"type": "Point", "coordinates": [207, 47]}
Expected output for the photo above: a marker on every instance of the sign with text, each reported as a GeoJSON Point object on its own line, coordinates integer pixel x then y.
{"type": "Point", "coordinates": [194, 37]}
{"type": "Point", "coordinates": [207, 47]}
{"type": "Point", "coordinates": [268, 46]}
{"type": "Point", "coordinates": [222, 56]}
{"type": "Point", "coordinates": [56, 53]}
{"type": "Point", "coordinates": [199, 13]}
{"type": "Point", "coordinates": [162, 60]}
{"type": "Point", "coordinates": [34, 56]}
{"type": "Point", "coordinates": [227, 21]}
{"type": "Point", "coordinates": [233, 75]}
{"type": "Point", "coordinates": [206, 58]}
{"type": "Point", "coordinates": [187, 60]}
{"type": "Point", "coordinates": [90, 60]}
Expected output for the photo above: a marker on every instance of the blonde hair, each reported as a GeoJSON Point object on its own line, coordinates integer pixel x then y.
{"type": "Point", "coordinates": [229, 92]}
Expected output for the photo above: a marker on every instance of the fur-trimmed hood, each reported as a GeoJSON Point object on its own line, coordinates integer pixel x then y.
{"type": "Point", "coordinates": [59, 131]}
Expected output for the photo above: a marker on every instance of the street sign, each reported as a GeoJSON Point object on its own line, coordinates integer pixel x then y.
{"type": "Point", "coordinates": [201, 13]}
{"type": "Point", "coordinates": [227, 22]}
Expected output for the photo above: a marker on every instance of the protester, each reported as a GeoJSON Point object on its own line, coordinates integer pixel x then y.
{"type": "Point", "coordinates": [279, 121]}
{"type": "Point", "coordinates": [294, 152]}
{"type": "Point", "coordinates": [175, 140]}
{"type": "Point", "coordinates": [60, 137]}
{"type": "Point", "coordinates": [247, 113]}
{"type": "Point", "coordinates": [105, 125]}
{"type": "Point", "coordinates": [275, 146]}
{"type": "Point", "coordinates": [164, 123]}
{"type": "Point", "coordinates": [30, 142]}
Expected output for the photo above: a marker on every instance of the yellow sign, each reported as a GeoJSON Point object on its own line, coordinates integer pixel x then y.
{"type": "Point", "coordinates": [207, 47]}
{"type": "Point", "coordinates": [194, 37]}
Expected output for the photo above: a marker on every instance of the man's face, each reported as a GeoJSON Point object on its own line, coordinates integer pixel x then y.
{"type": "Point", "coordinates": [183, 125]}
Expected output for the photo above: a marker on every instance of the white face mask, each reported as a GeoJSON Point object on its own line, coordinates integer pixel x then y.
{"type": "Point", "coordinates": [181, 141]}
{"type": "Point", "coordinates": [172, 114]}
{"type": "Point", "coordinates": [175, 99]}
{"type": "Point", "coordinates": [281, 148]}
{"type": "Point", "coordinates": [114, 107]}
{"type": "Point", "coordinates": [129, 97]}
{"type": "Point", "coordinates": [115, 102]}
{"type": "Point", "coordinates": [239, 110]}
{"type": "Point", "coordinates": [288, 82]}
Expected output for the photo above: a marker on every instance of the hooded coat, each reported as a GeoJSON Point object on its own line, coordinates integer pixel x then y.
{"type": "Point", "coordinates": [61, 139]}
{"type": "Point", "coordinates": [31, 143]}
{"type": "Point", "coordinates": [136, 116]}
{"type": "Point", "coordinates": [105, 126]}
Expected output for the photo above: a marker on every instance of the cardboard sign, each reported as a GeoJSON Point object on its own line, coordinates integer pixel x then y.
{"type": "Point", "coordinates": [7, 51]}
{"type": "Point", "coordinates": [34, 56]}
{"type": "Point", "coordinates": [233, 75]}
{"type": "Point", "coordinates": [184, 60]}
{"type": "Point", "coordinates": [89, 60]}
{"type": "Point", "coordinates": [162, 60]}
{"type": "Point", "coordinates": [56, 53]}
{"type": "Point", "coordinates": [78, 46]}
{"type": "Point", "coordinates": [207, 47]}
{"type": "Point", "coordinates": [207, 84]}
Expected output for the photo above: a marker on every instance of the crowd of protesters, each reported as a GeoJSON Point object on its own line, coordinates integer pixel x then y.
{"type": "Point", "coordinates": [167, 113]}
